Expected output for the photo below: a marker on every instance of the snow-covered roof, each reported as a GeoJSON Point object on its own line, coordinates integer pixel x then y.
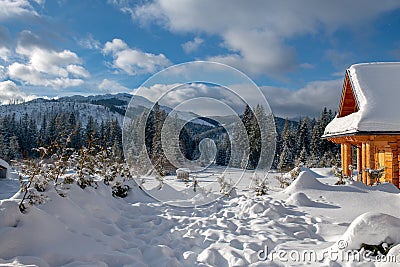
{"type": "Point", "coordinates": [183, 170]}
{"type": "Point", "coordinates": [376, 89]}
{"type": "Point", "coordinates": [4, 164]}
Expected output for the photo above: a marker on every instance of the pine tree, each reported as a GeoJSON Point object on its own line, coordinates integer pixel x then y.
{"type": "Point", "coordinates": [303, 155]}
{"type": "Point", "coordinates": [3, 148]}
{"type": "Point", "coordinates": [43, 132]}
{"type": "Point", "coordinates": [302, 137]}
{"type": "Point", "coordinates": [91, 132]}
{"type": "Point", "coordinates": [286, 157]}
{"type": "Point", "coordinates": [74, 128]}
{"type": "Point", "coordinates": [14, 149]}
{"type": "Point", "coordinates": [51, 130]}
{"type": "Point", "coordinates": [32, 137]}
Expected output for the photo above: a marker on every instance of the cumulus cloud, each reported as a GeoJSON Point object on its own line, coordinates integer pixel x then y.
{"type": "Point", "coordinates": [192, 46]}
{"type": "Point", "coordinates": [307, 101]}
{"type": "Point", "coordinates": [9, 92]}
{"type": "Point", "coordinates": [78, 71]}
{"type": "Point", "coordinates": [257, 33]}
{"type": "Point", "coordinates": [109, 86]}
{"type": "Point", "coordinates": [44, 66]}
{"type": "Point", "coordinates": [17, 8]}
{"type": "Point", "coordinates": [205, 99]}
{"type": "Point", "coordinates": [134, 61]}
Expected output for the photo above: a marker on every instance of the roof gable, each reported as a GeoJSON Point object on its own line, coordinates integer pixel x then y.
{"type": "Point", "coordinates": [373, 105]}
{"type": "Point", "coordinates": [348, 103]}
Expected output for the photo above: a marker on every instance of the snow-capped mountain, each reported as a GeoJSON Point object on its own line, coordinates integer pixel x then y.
{"type": "Point", "coordinates": [100, 107]}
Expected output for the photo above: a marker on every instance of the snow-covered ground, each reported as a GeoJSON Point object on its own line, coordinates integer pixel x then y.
{"type": "Point", "coordinates": [310, 222]}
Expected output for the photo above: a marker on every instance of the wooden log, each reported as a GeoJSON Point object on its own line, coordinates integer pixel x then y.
{"type": "Point", "coordinates": [346, 158]}
{"type": "Point", "coordinates": [395, 166]}
{"type": "Point", "coordinates": [370, 159]}
{"type": "Point", "coordinates": [359, 163]}
{"type": "Point", "coordinates": [364, 162]}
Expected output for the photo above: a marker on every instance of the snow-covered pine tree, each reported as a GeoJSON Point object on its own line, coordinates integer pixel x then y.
{"type": "Point", "coordinates": [303, 155]}
{"type": "Point", "coordinates": [302, 137]}
{"type": "Point", "coordinates": [286, 158]}
{"type": "Point", "coordinates": [91, 131]}
{"type": "Point", "coordinates": [3, 148]}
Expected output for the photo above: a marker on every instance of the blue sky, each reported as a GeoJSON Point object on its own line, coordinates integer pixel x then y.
{"type": "Point", "coordinates": [295, 51]}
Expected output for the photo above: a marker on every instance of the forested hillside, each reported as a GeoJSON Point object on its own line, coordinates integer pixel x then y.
{"type": "Point", "coordinates": [82, 121]}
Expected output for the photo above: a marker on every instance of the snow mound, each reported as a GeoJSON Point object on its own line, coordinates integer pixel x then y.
{"type": "Point", "coordinates": [372, 228]}
{"type": "Point", "coordinates": [315, 174]}
{"type": "Point", "coordinates": [387, 187]}
{"type": "Point", "coordinates": [299, 199]}
{"type": "Point", "coordinates": [393, 253]}
{"type": "Point", "coordinates": [306, 180]}
{"type": "Point", "coordinates": [9, 213]}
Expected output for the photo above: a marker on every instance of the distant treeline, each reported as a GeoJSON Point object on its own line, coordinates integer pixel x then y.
{"type": "Point", "coordinates": [18, 137]}
{"type": "Point", "coordinates": [296, 142]}
{"type": "Point", "coordinates": [303, 144]}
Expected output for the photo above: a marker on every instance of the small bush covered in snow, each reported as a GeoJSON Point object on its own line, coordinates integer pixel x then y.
{"type": "Point", "coordinates": [85, 166]}
{"type": "Point", "coordinates": [375, 175]}
{"type": "Point", "coordinates": [226, 187]}
{"type": "Point", "coordinates": [261, 186]}
{"type": "Point", "coordinates": [120, 190]}
{"type": "Point", "coordinates": [338, 172]}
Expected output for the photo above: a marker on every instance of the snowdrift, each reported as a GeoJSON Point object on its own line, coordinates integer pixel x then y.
{"type": "Point", "coordinates": [372, 228]}
{"type": "Point", "coordinates": [305, 180]}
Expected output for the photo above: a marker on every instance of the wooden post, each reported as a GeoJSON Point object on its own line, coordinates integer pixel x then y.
{"type": "Point", "coordinates": [395, 166]}
{"type": "Point", "coordinates": [370, 161]}
{"type": "Point", "coordinates": [364, 162]}
{"type": "Point", "coordinates": [359, 163]}
{"type": "Point", "coordinates": [346, 158]}
{"type": "Point", "coordinates": [342, 154]}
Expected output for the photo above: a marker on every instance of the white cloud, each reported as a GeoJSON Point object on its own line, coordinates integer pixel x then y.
{"type": "Point", "coordinates": [89, 42]}
{"type": "Point", "coordinates": [307, 101]}
{"type": "Point", "coordinates": [192, 46]}
{"type": "Point", "coordinates": [109, 86]}
{"type": "Point", "coordinates": [4, 53]}
{"type": "Point", "coordinates": [134, 61]}
{"type": "Point", "coordinates": [78, 71]}
{"type": "Point", "coordinates": [204, 99]}
{"type": "Point", "coordinates": [43, 66]}
{"type": "Point", "coordinates": [9, 92]}
{"type": "Point", "coordinates": [16, 8]}
{"type": "Point", "coordinates": [257, 33]}
{"type": "Point", "coordinates": [29, 75]}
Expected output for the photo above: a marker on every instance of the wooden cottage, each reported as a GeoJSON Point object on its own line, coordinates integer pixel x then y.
{"type": "Point", "coordinates": [368, 123]}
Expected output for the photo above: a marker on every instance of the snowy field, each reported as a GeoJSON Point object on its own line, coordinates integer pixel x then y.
{"type": "Point", "coordinates": [311, 222]}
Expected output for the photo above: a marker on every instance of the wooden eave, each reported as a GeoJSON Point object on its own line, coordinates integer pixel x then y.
{"type": "Point", "coordinates": [348, 102]}
{"type": "Point", "coordinates": [363, 137]}
{"type": "Point", "coordinates": [362, 133]}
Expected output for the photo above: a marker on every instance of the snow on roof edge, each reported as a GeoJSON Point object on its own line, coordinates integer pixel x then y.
{"type": "Point", "coordinates": [374, 115]}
